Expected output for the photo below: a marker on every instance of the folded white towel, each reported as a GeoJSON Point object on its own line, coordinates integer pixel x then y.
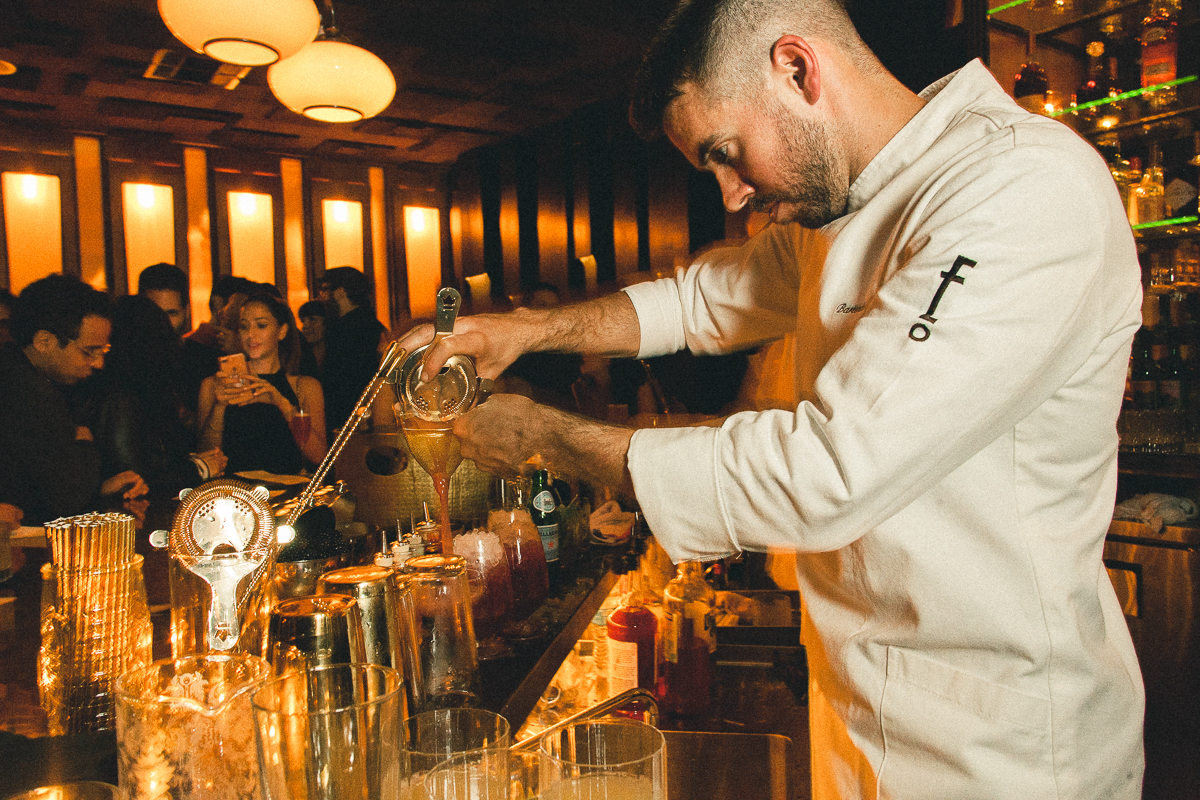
{"type": "Point", "coordinates": [1157, 510]}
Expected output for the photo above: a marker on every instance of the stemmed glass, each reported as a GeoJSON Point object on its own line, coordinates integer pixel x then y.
{"type": "Point", "coordinates": [438, 451]}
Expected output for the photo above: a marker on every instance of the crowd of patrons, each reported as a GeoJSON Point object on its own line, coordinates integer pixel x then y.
{"type": "Point", "coordinates": [106, 401]}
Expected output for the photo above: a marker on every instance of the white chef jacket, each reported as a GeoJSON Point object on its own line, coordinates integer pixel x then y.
{"type": "Point", "coordinates": [962, 337]}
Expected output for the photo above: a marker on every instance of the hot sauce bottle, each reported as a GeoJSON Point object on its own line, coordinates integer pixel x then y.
{"type": "Point", "coordinates": [632, 632]}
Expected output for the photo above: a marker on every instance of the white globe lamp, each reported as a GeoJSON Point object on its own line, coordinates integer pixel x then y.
{"type": "Point", "coordinates": [248, 32]}
{"type": "Point", "coordinates": [333, 81]}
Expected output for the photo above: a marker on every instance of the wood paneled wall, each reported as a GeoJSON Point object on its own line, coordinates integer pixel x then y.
{"type": "Point", "coordinates": [587, 186]}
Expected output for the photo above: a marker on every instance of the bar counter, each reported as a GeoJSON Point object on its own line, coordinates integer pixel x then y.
{"type": "Point", "coordinates": [757, 690]}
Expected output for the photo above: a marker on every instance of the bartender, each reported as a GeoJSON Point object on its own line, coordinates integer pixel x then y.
{"type": "Point", "coordinates": [963, 287]}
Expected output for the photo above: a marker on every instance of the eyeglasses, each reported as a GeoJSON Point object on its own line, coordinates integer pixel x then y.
{"type": "Point", "coordinates": [94, 352]}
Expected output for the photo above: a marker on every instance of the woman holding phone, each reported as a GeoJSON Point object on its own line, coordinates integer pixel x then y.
{"type": "Point", "coordinates": [257, 409]}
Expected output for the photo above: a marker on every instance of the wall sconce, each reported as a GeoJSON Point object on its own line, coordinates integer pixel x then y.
{"type": "Point", "coordinates": [248, 32]}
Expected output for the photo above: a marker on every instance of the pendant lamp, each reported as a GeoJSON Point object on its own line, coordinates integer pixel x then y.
{"type": "Point", "coordinates": [333, 81]}
{"type": "Point", "coordinates": [247, 32]}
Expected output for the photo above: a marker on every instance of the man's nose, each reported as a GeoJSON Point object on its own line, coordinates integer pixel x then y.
{"type": "Point", "coordinates": [734, 191]}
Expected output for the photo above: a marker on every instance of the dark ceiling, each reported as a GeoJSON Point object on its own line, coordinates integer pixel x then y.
{"type": "Point", "coordinates": [469, 73]}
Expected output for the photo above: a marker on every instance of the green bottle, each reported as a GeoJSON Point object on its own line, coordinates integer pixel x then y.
{"type": "Point", "coordinates": [543, 508]}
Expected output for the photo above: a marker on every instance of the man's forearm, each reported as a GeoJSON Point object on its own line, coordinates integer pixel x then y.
{"type": "Point", "coordinates": [591, 450]}
{"type": "Point", "coordinates": [605, 326]}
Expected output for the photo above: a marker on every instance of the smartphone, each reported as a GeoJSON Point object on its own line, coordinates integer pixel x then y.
{"type": "Point", "coordinates": [234, 365]}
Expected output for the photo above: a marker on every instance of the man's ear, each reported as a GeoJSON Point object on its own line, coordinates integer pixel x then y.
{"type": "Point", "coordinates": [45, 342]}
{"type": "Point", "coordinates": [794, 59]}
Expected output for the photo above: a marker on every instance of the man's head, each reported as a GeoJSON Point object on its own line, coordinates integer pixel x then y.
{"type": "Point", "coordinates": [345, 288]}
{"type": "Point", "coordinates": [224, 288]}
{"type": "Point", "coordinates": [167, 287]}
{"type": "Point", "coordinates": [312, 321]}
{"type": "Point", "coordinates": [742, 88]}
{"type": "Point", "coordinates": [63, 326]}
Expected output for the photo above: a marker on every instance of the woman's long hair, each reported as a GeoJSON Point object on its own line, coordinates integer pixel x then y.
{"type": "Point", "coordinates": [289, 346]}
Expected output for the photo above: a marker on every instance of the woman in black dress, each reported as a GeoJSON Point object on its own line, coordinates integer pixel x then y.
{"type": "Point", "coordinates": [254, 418]}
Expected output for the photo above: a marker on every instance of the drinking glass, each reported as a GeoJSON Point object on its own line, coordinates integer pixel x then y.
{"type": "Point", "coordinates": [445, 630]}
{"type": "Point", "coordinates": [185, 729]}
{"type": "Point", "coordinates": [301, 425]}
{"type": "Point", "coordinates": [215, 601]}
{"type": "Point", "coordinates": [95, 626]}
{"type": "Point", "coordinates": [436, 736]}
{"type": "Point", "coordinates": [527, 566]}
{"type": "Point", "coordinates": [330, 733]}
{"type": "Point", "coordinates": [609, 759]}
{"type": "Point", "coordinates": [491, 588]}
{"type": "Point", "coordinates": [486, 775]}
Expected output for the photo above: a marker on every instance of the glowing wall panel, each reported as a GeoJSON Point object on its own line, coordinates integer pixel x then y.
{"type": "Point", "coordinates": [252, 236]}
{"type": "Point", "coordinates": [423, 246]}
{"type": "Point", "coordinates": [149, 211]}
{"type": "Point", "coordinates": [32, 227]}
{"type": "Point", "coordinates": [342, 221]}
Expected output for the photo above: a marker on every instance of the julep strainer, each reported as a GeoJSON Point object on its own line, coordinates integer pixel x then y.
{"type": "Point", "coordinates": [224, 532]}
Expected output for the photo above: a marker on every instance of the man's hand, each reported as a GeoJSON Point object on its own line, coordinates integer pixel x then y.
{"type": "Point", "coordinates": [128, 483]}
{"type": "Point", "coordinates": [509, 435]}
{"type": "Point", "coordinates": [494, 340]}
{"type": "Point", "coordinates": [605, 326]}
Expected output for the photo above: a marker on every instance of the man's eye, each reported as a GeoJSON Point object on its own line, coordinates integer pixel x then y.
{"type": "Point", "coordinates": [720, 154]}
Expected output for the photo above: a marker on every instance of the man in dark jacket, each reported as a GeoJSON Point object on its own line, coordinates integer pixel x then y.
{"type": "Point", "coordinates": [352, 341]}
{"type": "Point", "coordinates": [50, 466]}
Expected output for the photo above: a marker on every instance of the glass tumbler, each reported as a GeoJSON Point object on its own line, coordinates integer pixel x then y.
{"type": "Point", "coordinates": [432, 737]}
{"type": "Point", "coordinates": [95, 626]}
{"type": "Point", "coordinates": [604, 759]}
{"type": "Point", "coordinates": [185, 729]}
{"type": "Point", "coordinates": [330, 733]}
{"type": "Point", "coordinates": [445, 630]}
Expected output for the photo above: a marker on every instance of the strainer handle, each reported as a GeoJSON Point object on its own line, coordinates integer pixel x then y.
{"type": "Point", "coordinates": [385, 374]}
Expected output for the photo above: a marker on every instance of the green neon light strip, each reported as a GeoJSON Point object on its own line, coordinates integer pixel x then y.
{"type": "Point", "coordinates": [1007, 6]}
{"type": "Point", "coordinates": [1162, 222]}
{"type": "Point", "coordinates": [1126, 95]}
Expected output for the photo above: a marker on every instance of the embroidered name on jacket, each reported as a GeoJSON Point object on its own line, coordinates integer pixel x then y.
{"type": "Point", "coordinates": [919, 332]}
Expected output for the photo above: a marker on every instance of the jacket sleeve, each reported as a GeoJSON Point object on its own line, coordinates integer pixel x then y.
{"type": "Point", "coordinates": [1052, 288]}
{"type": "Point", "coordinates": [731, 298]}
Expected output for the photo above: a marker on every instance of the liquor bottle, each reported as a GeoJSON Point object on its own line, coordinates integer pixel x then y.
{"type": "Point", "coordinates": [689, 640]}
{"type": "Point", "coordinates": [1031, 86]}
{"type": "Point", "coordinates": [1143, 373]}
{"type": "Point", "coordinates": [1147, 200]}
{"type": "Point", "coordinates": [543, 508]}
{"type": "Point", "coordinates": [1159, 40]}
{"type": "Point", "coordinates": [632, 633]}
{"type": "Point", "coordinates": [1126, 173]}
{"type": "Point", "coordinates": [1171, 369]}
{"type": "Point", "coordinates": [1093, 86]}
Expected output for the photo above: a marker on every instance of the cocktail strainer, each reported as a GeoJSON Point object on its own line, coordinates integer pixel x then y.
{"type": "Point", "coordinates": [222, 532]}
{"type": "Point", "coordinates": [454, 390]}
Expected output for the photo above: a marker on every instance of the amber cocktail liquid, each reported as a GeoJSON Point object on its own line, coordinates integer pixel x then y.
{"type": "Point", "coordinates": [438, 451]}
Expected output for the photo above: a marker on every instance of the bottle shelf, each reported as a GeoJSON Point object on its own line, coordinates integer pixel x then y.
{"type": "Point", "coordinates": [1162, 465]}
{"type": "Point", "coordinates": [1020, 16]}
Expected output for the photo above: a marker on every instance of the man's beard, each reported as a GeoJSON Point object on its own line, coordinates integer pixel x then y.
{"type": "Point", "coordinates": [809, 171]}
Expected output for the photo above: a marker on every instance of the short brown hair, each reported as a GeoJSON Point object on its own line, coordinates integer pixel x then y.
{"type": "Point", "coordinates": [720, 45]}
